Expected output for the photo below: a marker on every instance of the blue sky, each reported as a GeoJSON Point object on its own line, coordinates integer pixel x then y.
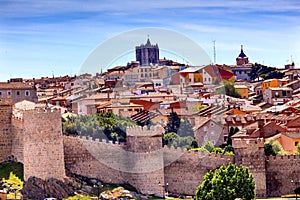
{"type": "Point", "coordinates": [41, 38]}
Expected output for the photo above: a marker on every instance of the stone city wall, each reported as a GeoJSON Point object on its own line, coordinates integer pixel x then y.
{"type": "Point", "coordinates": [149, 172]}
{"type": "Point", "coordinates": [43, 144]}
{"type": "Point", "coordinates": [184, 170]}
{"type": "Point", "coordinates": [282, 174]}
{"type": "Point", "coordinates": [250, 153]}
{"type": "Point", "coordinates": [5, 129]}
{"type": "Point", "coordinates": [36, 140]}
{"type": "Point", "coordinates": [17, 142]}
{"type": "Point", "coordinates": [111, 163]}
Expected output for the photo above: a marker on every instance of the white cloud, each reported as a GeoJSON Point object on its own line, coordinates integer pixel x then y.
{"type": "Point", "coordinates": [23, 8]}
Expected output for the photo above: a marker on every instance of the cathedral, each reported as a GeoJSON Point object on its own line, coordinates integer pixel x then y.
{"type": "Point", "coordinates": [147, 54]}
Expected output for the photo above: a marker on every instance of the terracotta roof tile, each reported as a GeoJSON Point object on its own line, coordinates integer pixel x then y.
{"type": "Point", "coordinates": [14, 85]}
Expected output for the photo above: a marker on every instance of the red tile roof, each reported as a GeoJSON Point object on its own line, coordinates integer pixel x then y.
{"type": "Point", "coordinates": [225, 74]}
{"type": "Point", "coordinates": [14, 85]}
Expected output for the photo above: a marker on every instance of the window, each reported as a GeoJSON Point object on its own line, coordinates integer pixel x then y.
{"type": "Point", "coordinates": [296, 143]}
{"type": "Point", "coordinates": [211, 124]}
{"type": "Point", "coordinates": [205, 138]}
{"type": "Point", "coordinates": [284, 93]}
{"type": "Point", "coordinates": [27, 93]}
{"type": "Point", "coordinates": [18, 92]}
{"type": "Point", "coordinates": [205, 128]}
{"type": "Point", "coordinates": [205, 79]}
{"type": "Point", "coordinates": [8, 93]}
{"type": "Point", "coordinates": [208, 79]}
{"type": "Point", "coordinates": [0, 93]}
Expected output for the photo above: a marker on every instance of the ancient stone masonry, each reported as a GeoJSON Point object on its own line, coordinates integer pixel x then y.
{"type": "Point", "coordinates": [184, 170]}
{"type": "Point", "coordinates": [43, 144]}
{"type": "Point", "coordinates": [250, 153]}
{"type": "Point", "coordinates": [282, 174]}
{"type": "Point", "coordinates": [135, 163]}
{"type": "Point", "coordinates": [34, 137]}
{"type": "Point", "coordinates": [5, 129]}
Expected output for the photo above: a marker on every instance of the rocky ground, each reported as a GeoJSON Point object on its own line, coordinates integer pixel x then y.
{"type": "Point", "coordinates": [37, 189]}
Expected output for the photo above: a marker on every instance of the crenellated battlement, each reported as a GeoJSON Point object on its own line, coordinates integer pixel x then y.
{"type": "Point", "coordinates": [172, 149]}
{"type": "Point", "coordinates": [248, 143]}
{"type": "Point", "coordinates": [42, 110]}
{"type": "Point", "coordinates": [144, 131]}
{"type": "Point", "coordinates": [284, 158]}
{"type": "Point", "coordinates": [37, 133]}
{"type": "Point", "coordinates": [96, 140]}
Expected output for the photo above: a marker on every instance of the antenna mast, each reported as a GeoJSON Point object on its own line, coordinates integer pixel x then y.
{"type": "Point", "coordinates": [214, 47]}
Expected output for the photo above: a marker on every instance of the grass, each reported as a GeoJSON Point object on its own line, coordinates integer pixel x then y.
{"type": "Point", "coordinates": [78, 197]}
{"type": "Point", "coordinates": [15, 167]}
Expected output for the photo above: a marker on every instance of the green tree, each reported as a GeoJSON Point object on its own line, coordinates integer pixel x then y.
{"type": "Point", "coordinates": [230, 90]}
{"type": "Point", "coordinates": [232, 131]}
{"type": "Point", "coordinates": [185, 129]}
{"type": "Point", "coordinates": [227, 182]}
{"type": "Point", "coordinates": [173, 123]}
{"type": "Point", "coordinates": [187, 142]}
{"type": "Point", "coordinates": [229, 149]}
{"type": "Point", "coordinates": [168, 138]}
{"type": "Point", "coordinates": [218, 150]}
{"type": "Point", "coordinates": [298, 148]}
{"type": "Point", "coordinates": [273, 147]}
{"type": "Point", "coordinates": [264, 72]}
{"type": "Point", "coordinates": [269, 151]}
{"type": "Point", "coordinates": [99, 125]}
{"type": "Point", "coordinates": [209, 146]}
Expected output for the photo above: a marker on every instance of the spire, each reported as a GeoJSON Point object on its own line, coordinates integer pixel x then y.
{"type": "Point", "coordinates": [148, 41]}
{"type": "Point", "coordinates": [242, 54]}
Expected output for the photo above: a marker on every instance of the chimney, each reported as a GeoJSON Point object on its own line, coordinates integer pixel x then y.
{"type": "Point", "coordinates": [193, 121]}
{"type": "Point", "coordinates": [261, 124]}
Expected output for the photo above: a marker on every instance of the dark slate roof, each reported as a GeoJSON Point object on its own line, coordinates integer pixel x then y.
{"type": "Point", "coordinates": [242, 54]}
